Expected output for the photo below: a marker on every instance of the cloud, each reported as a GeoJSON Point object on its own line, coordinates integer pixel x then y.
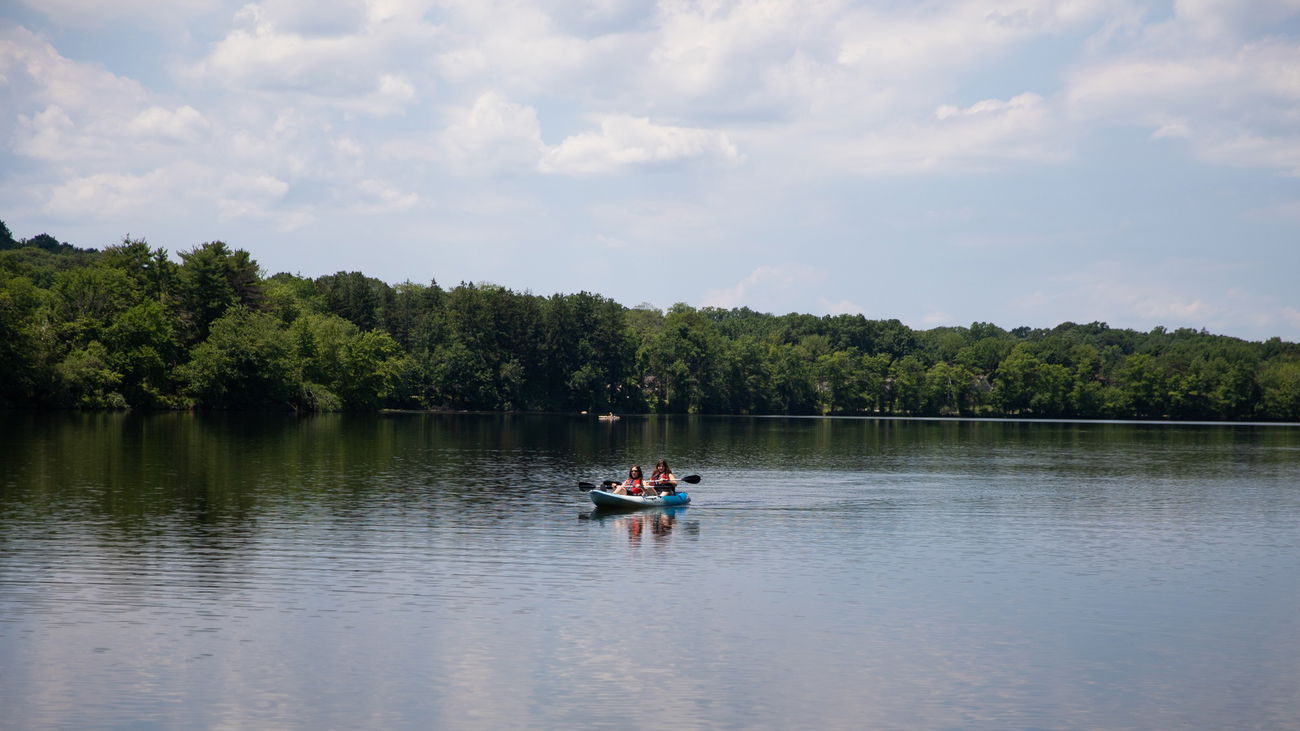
{"type": "Point", "coordinates": [110, 139]}
{"type": "Point", "coordinates": [81, 115]}
{"type": "Point", "coordinates": [983, 135]}
{"type": "Point", "coordinates": [1233, 100]}
{"type": "Point", "coordinates": [832, 65]}
{"type": "Point", "coordinates": [348, 56]}
{"type": "Point", "coordinates": [373, 197]}
{"type": "Point", "coordinates": [30, 63]}
{"type": "Point", "coordinates": [625, 142]}
{"type": "Point", "coordinates": [94, 13]}
{"type": "Point", "coordinates": [183, 123]}
{"type": "Point", "coordinates": [116, 195]}
{"type": "Point", "coordinates": [767, 283]}
{"type": "Point", "coordinates": [496, 135]}
{"type": "Point", "coordinates": [945, 37]}
{"type": "Point", "coordinates": [665, 223]}
{"type": "Point", "coordinates": [1220, 19]}
{"type": "Point", "coordinates": [1175, 293]}
{"type": "Point", "coordinates": [249, 195]}
{"type": "Point", "coordinates": [516, 47]}
{"type": "Point", "coordinates": [184, 188]}
{"type": "Point", "coordinates": [936, 319]}
{"type": "Point", "coordinates": [492, 136]}
{"type": "Point", "coordinates": [842, 307]}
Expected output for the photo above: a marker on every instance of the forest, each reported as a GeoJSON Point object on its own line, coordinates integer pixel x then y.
{"type": "Point", "coordinates": [127, 326]}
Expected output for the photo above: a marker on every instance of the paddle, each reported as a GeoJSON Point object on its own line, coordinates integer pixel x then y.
{"type": "Point", "coordinates": [585, 486]}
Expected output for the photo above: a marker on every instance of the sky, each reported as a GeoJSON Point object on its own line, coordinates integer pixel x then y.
{"type": "Point", "coordinates": [1024, 163]}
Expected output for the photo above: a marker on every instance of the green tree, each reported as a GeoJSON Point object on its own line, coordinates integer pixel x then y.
{"type": "Point", "coordinates": [1087, 382]}
{"type": "Point", "coordinates": [587, 354]}
{"type": "Point", "coordinates": [792, 379]}
{"type": "Point", "coordinates": [1279, 383]}
{"type": "Point", "coordinates": [746, 376]}
{"type": "Point", "coordinates": [1143, 386]}
{"type": "Point", "coordinates": [948, 389]}
{"type": "Point", "coordinates": [6, 238]}
{"type": "Point", "coordinates": [907, 385]}
{"type": "Point", "coordinates": [20, 352]}
{"type": "Point", "coordinates": [838, 378]}
{"type": "Point", "coordinates": [1052, 387]}
{"type": "Point", "coordinates": [89, 380]}
{"type": "Point", "coordinates": [152, 273]}
{"type": "Point", "coordinates": [143, 350]}
{"type": "Point", "coordinates": [875, 382]}
{"type": "Point", "coordinates": [355, 297]}
{"type": "Point", "coordinates": [212, 279]}
{"type": "Point", "coordinates": [247, 361]}
{"type": "Point", "coordinates": [87, 299]}
{"type": "Point", "coordinates": [1015, 380]}
{"type": "Point", "coordinates": [680, 362]}
{"type": "Point", "coordinates": [984, 355]}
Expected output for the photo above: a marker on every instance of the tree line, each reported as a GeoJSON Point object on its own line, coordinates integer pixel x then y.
{"type": "Point", "coordinates": [128, 326]}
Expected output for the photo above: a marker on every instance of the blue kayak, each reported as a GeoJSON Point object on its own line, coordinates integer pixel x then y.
{"type": "Point", "coordinates": [630, 502]}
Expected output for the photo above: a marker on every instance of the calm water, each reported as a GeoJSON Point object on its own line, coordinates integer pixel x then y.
{"type": "Point", "coordinates": [414, 570]}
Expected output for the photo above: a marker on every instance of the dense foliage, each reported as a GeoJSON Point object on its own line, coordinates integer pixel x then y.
{"type": "Point", "coordinates": [128, 326]}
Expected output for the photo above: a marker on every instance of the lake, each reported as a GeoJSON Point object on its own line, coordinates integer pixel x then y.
{"type": "Point", "coordinates": [444, 570]}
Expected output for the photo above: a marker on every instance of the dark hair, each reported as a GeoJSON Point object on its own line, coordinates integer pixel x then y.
{"type": "Point", "coordinates": [662, 466]}
{"type": "Point", "coordinates": [635, 468]}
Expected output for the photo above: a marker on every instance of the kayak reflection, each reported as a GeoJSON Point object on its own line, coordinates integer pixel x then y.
{"type": "Point", "coordinates": [656, 524]}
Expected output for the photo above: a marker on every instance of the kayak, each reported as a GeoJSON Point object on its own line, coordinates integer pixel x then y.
{"type": "Point", "coordinates": [629, 502]}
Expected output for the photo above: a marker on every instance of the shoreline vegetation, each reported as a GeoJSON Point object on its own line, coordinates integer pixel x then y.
{"type": "Point", "coordinates": [128, 327]}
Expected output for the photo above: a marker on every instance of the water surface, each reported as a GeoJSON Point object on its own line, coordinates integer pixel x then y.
{"type": "Point", "coordinates": [417, 570]}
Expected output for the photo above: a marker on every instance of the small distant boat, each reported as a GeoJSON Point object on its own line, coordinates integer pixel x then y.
{"type": "Point", "coordinates": [603, 499]}
{"type": "Point", "coordinates": [611, 416]}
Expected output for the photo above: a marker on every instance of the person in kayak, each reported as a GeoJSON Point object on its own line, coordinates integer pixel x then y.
{"type": "Point", "coordinates": [663, 480]}
{"type": "Point", "coordinates": [633, 485]}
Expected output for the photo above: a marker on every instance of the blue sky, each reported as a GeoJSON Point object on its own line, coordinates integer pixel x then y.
{"type": "Point", "coordinates": [1021, 162]}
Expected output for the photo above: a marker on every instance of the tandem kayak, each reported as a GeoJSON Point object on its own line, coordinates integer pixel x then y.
{"type": "Point", "coordinates": [631, 502]}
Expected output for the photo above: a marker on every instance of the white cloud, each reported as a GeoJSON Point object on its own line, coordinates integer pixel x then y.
{"type": "Point", "coordinates": [318, 18]}
{"type": "Point", "coordinates": [936, 319]}
{"type": "Point", "coordinates": [521, 49]}
{"type": "Point", "coordinates": [625, 142]}
{"type": "Point", "coordinates": [115, 195]}
{"type": "Point", "coordinates": [347, 55]}
{"type": "Point", "coordinates": [182, 188]}
{"type": "Point", "coordinates": [828, 64]}
{"type": "Point", "coordinates": [986, 134]}
{"type": "Point", "coordinates": [373, 197]}
{"type": "Point", "coordinates": [1227, 18]}
{"type": "Point", "coordinates": [492, 136]}
{"type": "Point", "coordinates": [1176, 293]}
{"type": "Point", "coordinates": [1235, 101]}
{"type": "Point", "coordinates": [665, 223]}
{"type": "Point", "coordinates": [112, 138]}
{"type": "Point", "coordinates": [80, 115]}
{"type": "Point", "coordinates": [949, 36]}
{"type": "Point", "coordinates": [184, 123]}
{"type": "Point", "coordinates": [842, 307]}
{"type": "Point", "coordinates": [496, 135]}
{"type": "Point", "coordinates": [93, 13]}
{"type": "Point", "coordinates": [767, 284]}
{"type": "Point", "coordinates": [243, 195]}
{"type": "Point", "coordinates": [29, 61]}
